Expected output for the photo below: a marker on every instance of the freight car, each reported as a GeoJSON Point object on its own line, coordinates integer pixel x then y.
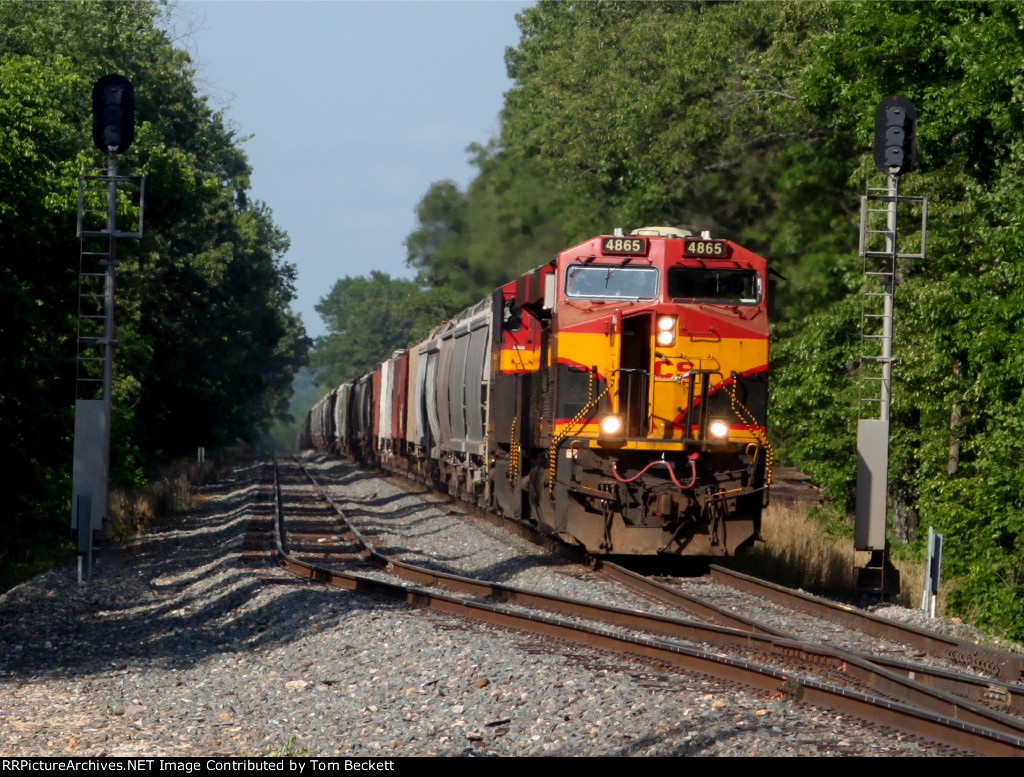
{"type": "Point", "coordinates": [615, 397]}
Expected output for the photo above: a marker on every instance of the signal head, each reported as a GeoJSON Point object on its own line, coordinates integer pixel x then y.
{"type": "Point", "coordinates": [895, 136]}
{"type": "Point", "coordinates": [113, 113]}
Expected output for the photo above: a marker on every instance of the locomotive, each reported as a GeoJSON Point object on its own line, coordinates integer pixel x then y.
{"type": "Point", "coordinates": [615, 397]}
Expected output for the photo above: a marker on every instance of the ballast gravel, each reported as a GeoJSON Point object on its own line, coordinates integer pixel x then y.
{"type": "Point", "coordinates": [193, 643]}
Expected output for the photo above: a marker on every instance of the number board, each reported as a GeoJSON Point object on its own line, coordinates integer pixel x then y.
{"type": "Point", "coordinates": [715, 249]}
{"type": "Point", "coordinates": [624, 245]}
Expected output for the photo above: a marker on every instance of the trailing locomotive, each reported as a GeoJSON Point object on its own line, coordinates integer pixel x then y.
{"type": "Point", "coordinates": [615, 396]}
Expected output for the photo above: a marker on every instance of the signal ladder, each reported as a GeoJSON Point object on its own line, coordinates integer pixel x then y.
{"type": "Point", "coordinates": [97, 202]}
{"type": "Point", "coordinates": [92, 316]}
{"type": "Point", "coordinates": [879, 241]}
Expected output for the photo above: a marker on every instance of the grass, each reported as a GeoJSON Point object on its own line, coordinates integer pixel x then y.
{"type": "Point", "coordinates": [289, 749]}
{"type": "Point", "coordinates": [804, 551]}
{"type": "Point", "coordinates": [133, 511]}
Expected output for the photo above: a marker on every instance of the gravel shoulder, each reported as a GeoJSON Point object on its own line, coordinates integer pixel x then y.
{"type": "Point", "coordinates": [193, 643]}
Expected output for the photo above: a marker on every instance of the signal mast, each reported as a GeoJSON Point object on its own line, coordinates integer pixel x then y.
{"type": "Point", "coordinates": [895, 154]}
{"type": "Point", "coordinates": [113, 130]}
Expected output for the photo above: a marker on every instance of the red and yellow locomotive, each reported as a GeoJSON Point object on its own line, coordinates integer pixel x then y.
{"type": "Point", "coordinates": [616, 397]}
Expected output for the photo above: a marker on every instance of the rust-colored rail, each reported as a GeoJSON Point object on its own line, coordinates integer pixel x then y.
{"type": "Point", "coordinates": [996, 663]}
{"type": "Point", "coordinates": [990, 692]}
{"type": "Point", "coordinates": [940, 716]}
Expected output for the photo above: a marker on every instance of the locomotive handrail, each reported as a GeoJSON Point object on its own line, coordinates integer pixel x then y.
{"type": "Point", "coordinates": [553, 449]}
{"type": "Point", "coordinates": [711, 333]}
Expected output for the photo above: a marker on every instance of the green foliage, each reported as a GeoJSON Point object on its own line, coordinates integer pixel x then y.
{"type": "Point", "coordinates": [207, 343]}
{"type": "Point", "coordinates": [814, 387]}
{"type": "Point", "coordinates": [36, 312]}
{"type": "Point", "coordinates": [957, 402]}
{"type": "Point", "coordinates": [368, 319]}
{"type": "Point", "coordinates": [755, 120]}
{"type": "Point", "coordinates": [688, 114]}
{"type": "Point", "coordinates": [513, 218]}
{"type": "Point", "coordinates": [289, 749]}
{"type": "Point", "coordinates": [638, 113]}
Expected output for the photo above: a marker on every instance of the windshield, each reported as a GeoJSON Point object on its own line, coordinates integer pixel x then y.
{"type": "Point", "coordinates": [588, 280]}
{"type": "Point", "coordinates": [735, 287]}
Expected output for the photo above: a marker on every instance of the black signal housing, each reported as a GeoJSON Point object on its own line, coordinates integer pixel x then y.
{"type": "Point", "coordinates": [113, 113]}
{"type": "Point", "coordinates": [895, 135]}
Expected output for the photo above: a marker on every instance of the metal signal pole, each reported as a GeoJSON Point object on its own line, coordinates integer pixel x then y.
{"type": "Point", "coordinates": [113, 131]}
{"type": "Point", "coordinates": [895, 134]}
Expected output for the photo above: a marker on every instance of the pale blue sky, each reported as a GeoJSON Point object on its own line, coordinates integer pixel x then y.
{"type": "Point", "coordinates": [355, 108]}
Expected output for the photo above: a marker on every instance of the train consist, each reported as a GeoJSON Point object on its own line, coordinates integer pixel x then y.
{"type": "Point", "coordinates": [615, 397]}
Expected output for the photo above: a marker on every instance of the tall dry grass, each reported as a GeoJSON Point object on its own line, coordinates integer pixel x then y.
{"type": "Point", "coordinates": [799, 552]}
{"type": "Point", "coordinates": [133, 511]}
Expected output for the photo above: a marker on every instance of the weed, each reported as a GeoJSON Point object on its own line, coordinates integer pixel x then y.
{"type": "Point", "coordinates": [801, 550]}
{"type": "Point", "coordinates": [287, 750]}
{"type": "Point", "coordinates": [134, 510]}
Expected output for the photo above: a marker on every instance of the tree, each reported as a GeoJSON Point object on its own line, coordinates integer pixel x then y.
{"type": "Point", "coordinates": [688, 114]}
{"type": "Point", "coordinates": [368, 319]}
{"type": "Point", "coordinates": [513, 218]}
{"type": "Point", "coordinates": [207, 341]}
{"type": "Point", "coordinates": [755, 120]}
{"type": "Point", "coordinates": [36, 309]}
{"type": "Point", "coordinates": [957, 400]}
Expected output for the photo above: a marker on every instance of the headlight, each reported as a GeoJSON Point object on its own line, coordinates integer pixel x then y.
{"type": "Point", "coordinates": [719, 429]}
{"type": "Point", "coordinates": [611, 425]}
{"type": "Point", "coordinates": [666, 330]}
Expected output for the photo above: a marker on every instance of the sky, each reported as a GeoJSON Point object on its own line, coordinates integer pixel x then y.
{"type": "Point", "coordinates": [354, 107]}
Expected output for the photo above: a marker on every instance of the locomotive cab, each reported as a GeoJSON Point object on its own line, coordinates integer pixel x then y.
{"type": "Point", "coordinates": [656, 361]}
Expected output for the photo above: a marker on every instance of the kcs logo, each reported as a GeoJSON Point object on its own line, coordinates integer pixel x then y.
{"type": "Point", "coordinates": [671, 369]}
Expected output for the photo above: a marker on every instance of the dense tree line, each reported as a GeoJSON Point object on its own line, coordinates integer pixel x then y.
{"type": "Point", "coordinates": [368, 319]}
{"type": "Point", "coordinates": [208, 344]}
{"type": "Point", "coordinates": [755, 120]}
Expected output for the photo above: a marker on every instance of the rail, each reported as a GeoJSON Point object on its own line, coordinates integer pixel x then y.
{"type": "Point", "coordinates": [959, 723]}
{"type": "Point", "coordinates": [997, 663]}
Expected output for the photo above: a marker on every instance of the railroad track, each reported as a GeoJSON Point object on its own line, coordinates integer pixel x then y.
{"type": "Point", "coordinates": [1005, 666]}
{"type": "Point", "coordinates": [1005, 670]}
{"type": "Point", "coordinates": [840, 679]}
{"type": "Point", "coordinates": [1000, 689]}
